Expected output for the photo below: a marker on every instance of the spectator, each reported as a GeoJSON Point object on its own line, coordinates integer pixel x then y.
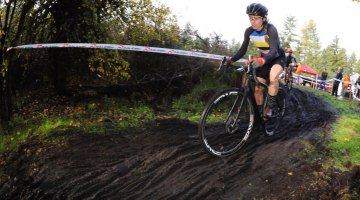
{"type": "Point", "coordinates": [337, 78]}
{"type": "Point", "coordinates": [323, 77]}
{"type": "Point", "coordinates": [298, 72]}
{"type": "Point", "coordinates": [345, 85]}
{"type": "Point", "coordinates": [357, 86]}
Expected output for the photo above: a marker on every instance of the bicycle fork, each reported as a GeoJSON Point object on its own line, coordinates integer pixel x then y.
{"type": "Point", "coordinates": [231, 123]}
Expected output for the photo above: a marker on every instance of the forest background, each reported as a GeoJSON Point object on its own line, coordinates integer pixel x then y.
{"type": "Point", "coordinates": [145, 77]}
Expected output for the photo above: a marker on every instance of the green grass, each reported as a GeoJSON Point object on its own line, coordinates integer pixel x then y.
{"type": "Point", "coordinates": [189, 106]}
{"type": "Point", "coordinates": [111, 115]}
{"type": "Point", "coordinates": [107, 116]}
{"type": "Point", "coordinates": [345, 132]}
{"type": "Point", "coordinates": [346, 143]}
{"type": "Point", "coordinates": [50, 125]}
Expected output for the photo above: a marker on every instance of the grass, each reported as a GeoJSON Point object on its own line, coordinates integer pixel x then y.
{"type": "Point", "coordinates": [187, 108]}
{"type": "Point", "coordinates": [107, 116]}
{"type": "Point", "coordinates": [346, 143]}
{"type": "Point", "coordinates": [190, 106]}
{"type": "Point", "coordinates": [111, 114]}
{"type": "Point", "coordinates": [345, 132]}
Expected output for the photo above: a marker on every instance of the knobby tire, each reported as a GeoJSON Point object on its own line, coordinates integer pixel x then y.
{"type": "Point", "coordinates": [223, 130]}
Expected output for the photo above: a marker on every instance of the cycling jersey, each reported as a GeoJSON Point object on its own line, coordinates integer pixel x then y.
{"type": "Point", "coordinates": [268, 44]}
{"type": "Point", "coordinates": [289, 58]}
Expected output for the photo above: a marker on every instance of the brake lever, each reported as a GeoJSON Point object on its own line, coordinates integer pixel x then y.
{"type": "Point", "coordinates": [222, 64]}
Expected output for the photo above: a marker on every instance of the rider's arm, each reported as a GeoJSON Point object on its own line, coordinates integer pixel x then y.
{"type": "Point", "coordinates": [294, 57]}
{"type": "Point", "coordinates": [274, 44]}
{"type": "Point", "coordinates": [241, 52]}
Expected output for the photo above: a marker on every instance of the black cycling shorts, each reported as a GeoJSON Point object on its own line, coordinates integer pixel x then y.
{"type": "Point", "coordinates": [264, 71]}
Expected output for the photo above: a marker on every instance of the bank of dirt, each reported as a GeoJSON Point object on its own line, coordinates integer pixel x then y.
{"type": "Point", "coordinates": [166, 161]}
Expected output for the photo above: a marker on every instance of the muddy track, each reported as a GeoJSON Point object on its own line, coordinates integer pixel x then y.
{"type": "Point", "coordinates": [166, 162]}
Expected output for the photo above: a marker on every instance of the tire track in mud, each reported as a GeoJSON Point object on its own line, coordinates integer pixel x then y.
{"type": "Point", "coordinates": [163, 162]}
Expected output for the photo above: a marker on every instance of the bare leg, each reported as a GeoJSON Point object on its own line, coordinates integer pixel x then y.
{"type": "Point", "coordinates": [275, 72]}
{"type": "Point", "coordinates": [259, 92]}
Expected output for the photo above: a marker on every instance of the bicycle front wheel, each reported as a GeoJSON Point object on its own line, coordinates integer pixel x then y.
{"type": "Point", "coordinates": [226, 123]}
{"type": "Point", "coordinates": [288, 77]}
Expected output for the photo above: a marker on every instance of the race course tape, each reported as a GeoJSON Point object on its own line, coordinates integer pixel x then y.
{"type": "Point", "coordinates": [123, 47]}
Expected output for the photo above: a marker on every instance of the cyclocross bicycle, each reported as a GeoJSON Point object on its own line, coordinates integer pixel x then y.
{"type": "Point", "coordinates": [288, 79]}
{"type": "Point", "coordinates": [229, 117]}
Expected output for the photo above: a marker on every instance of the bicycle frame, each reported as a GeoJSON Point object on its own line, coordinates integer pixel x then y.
{"type": "Point", "coordinates": [250, 77]}
{"type": "Point", "coordinates": [231, 114]}
{"type": "Point", "coordinates": [288, 75]}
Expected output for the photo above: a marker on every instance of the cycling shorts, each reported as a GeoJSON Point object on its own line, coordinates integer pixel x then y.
{"type": "Point", "coordinates": [264, 71]}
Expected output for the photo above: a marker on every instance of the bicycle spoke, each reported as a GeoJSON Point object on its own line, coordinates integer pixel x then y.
{"type": "Point", "coordinates": [224, 128]}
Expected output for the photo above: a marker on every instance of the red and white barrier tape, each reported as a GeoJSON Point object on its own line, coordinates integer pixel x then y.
{"type": "Point", "coordinates": [123, 47]}
{"type": "Point", "coordinates": [329, 80]}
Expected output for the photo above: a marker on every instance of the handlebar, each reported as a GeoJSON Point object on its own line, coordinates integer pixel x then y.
{"type": "Point", "coordinates": [224, 63]}
{"type": "Point", "coordinates": [249, 69]}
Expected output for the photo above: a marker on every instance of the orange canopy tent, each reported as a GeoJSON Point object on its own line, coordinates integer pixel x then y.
{"type": "Point", "coordinates": [306, 69]}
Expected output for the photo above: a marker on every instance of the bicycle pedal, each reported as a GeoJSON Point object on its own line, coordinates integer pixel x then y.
{"type": "Point", "coordinates": [271, 126]}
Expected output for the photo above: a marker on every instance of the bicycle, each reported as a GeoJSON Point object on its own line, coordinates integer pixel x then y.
{"type": "Point", "coordinates": [288, 79]}
{"type": "Point", "coordinates": [229, 117]}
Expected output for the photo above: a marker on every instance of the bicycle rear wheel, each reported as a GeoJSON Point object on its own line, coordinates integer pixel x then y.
{"type": "Point", "coordinates": [226, 123]}
{"type": "Point", "coordinates": [288, 77]}
{"type": "Point", "coordinates": [281, 99]}
{"type": "Point", "coordinates": [291, 79]}
{"type": "Point", "coordinates": [272, 125]}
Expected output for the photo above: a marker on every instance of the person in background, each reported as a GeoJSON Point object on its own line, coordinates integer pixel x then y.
{"type": "Point", "coordinates": [298, 72]}
{"type": "Point", "coordinates": [345, 84]}
{"type": "Point", "coordinates": [290, 58]}
{"type": "Point", "coordinates": [337, 78]}
{"type": "Point", "coordinates": [357, 86]}
{"type": "Point", "coordinates": [291, 63]}
{"type": "Point", "coordinates": [269, 65]}
{"type": "Point", "coordinates": [324, 75]}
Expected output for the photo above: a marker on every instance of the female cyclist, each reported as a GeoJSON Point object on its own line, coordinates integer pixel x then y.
{"type": "Point", "coordinates": [271, 62]}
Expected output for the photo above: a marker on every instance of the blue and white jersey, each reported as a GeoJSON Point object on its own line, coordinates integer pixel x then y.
{"type": "Point", "coordinates": [267, 42]}
{"type": "Point", "coordinates": [261, 41]}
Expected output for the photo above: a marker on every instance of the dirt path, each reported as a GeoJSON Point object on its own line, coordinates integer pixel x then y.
{"type": "Point", "coordinates": [166, 162]}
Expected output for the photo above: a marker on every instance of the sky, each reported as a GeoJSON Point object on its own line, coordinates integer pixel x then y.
{"type": "Point", "coordinates": [228, 18]}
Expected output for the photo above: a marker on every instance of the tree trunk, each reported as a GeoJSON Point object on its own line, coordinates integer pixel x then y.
{"type": "Point", "coordinates": [5, 94]}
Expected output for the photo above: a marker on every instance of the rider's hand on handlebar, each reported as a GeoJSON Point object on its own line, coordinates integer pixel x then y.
{"type": "Point", "coordinates": [257, 62]}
